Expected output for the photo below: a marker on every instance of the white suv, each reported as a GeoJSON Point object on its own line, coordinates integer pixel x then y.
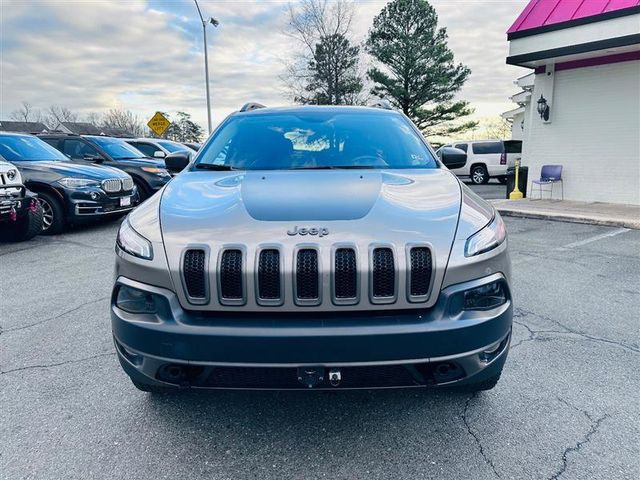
{"type": "Point", "coordinates": [487, 159]}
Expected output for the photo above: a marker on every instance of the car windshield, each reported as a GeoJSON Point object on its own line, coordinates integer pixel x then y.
{"type": "Point", "coordinates": [22, 148]}
{"type": "Point", "coordinates": [315, 140]}
{"type": "Point", "coordinates": [173, 147]}
{"type": "Point", "coordinates": [116, 148]}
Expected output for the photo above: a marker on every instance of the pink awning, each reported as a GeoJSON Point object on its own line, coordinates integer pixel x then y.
{"type": "Point", "coordinates": [540, 13]}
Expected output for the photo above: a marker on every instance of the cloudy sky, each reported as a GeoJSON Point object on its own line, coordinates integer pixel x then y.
{"type": "Point", "coordinates": [146, 55]}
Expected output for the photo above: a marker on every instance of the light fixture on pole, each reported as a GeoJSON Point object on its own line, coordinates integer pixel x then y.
{"type": "Point", "coordinates": [215, 23]}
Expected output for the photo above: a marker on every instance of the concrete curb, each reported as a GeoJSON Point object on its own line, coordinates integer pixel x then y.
{"type": "Point", "coordinates": [567, 217]}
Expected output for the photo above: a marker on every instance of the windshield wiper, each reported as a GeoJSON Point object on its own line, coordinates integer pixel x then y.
{"type": "Point", "coordinates": [217, 168]}
{"type": "Point", "coordinates": [336, 167]}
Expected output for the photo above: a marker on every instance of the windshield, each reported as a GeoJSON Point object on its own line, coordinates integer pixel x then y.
{"type": "Point", "coordinates": [22, 148]}
{"type": "Point", "coordinates": [116, 148]}
{"type": "Point", "coordinates": [315, 140]}
{"type": "Point", "coordinates": [173, 147]}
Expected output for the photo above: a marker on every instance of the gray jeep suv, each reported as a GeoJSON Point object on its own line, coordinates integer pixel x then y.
{"type": "Point", "coordinates": [313, 247]}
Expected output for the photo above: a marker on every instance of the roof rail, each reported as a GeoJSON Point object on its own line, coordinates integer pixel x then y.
{"type": "Point", "coordinates": [382, 103]}
{"type": "Point", "coordinates": [247, 107]}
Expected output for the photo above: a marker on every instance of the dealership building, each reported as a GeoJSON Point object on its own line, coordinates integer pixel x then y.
{"type": "Point", "coordinates": [580, 105]}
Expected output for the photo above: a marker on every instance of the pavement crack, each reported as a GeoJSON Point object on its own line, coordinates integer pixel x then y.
{"type": "Point", "coordinates": [475, 436]}
{"type": "Point", "coordinates": [533, 334]}
{"type": "Point", "coordinates": [595, 425]}
{"type": "Point", "coordinates": [40, 322]}
{"type": "Point", "coordinates": [50, 365]}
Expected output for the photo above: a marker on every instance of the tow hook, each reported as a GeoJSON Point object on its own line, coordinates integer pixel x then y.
{"type": "Point", "coordinates": [335, 377]}
{"type": "Point", "coordinates": [310, 376]}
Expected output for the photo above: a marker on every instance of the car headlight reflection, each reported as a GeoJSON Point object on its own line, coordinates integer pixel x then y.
{"type": "Point", "coordinates": [486, 239]}
{"type": "Point", "coordinates": [161, 172]}
{"type": "Point", "coordinates": [132, 242]}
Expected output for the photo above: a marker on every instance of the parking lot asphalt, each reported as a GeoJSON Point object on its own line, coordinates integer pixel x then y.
{"type": "Point", "coordinates": [566, 407]}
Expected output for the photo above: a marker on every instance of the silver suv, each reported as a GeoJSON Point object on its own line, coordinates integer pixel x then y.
{"type": "Point", "coordinates": [313, 247]}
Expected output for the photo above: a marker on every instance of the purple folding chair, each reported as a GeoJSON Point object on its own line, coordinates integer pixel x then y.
{"type": "Point", "coordinates": [549, 175]}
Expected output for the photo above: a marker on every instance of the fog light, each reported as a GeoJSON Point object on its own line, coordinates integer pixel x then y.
{"type": "Point", "coordinates": [94, 196]}
{"type": "Point", "coordinates": [133, 300]}
{"type": "Point", "coordinates": [486, 297]}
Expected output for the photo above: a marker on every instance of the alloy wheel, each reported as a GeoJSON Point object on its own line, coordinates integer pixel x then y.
{"type": "Point", "coordinates": [477, 176]}
{"type": "Point", "coordinates": [47, 214]}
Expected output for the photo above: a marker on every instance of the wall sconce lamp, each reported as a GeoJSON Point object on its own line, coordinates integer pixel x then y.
{"type": "Point", "coordinates": [543, 108]}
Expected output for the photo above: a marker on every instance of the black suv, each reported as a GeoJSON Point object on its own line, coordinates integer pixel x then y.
{"type": "Point", "coordinates": [68, 192]}
{"type": "Point", "coordinates": [149, 175]}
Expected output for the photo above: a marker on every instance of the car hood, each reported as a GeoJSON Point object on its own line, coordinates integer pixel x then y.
{"type": "Point", "coordinates": [396, 208]}
{"type": "Point", "coordinates": [71, 169]}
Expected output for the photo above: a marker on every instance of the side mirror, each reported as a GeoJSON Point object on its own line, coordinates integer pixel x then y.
{"type": "Point", "coordinates": [159, 154]}
{"type": "Point", "coordinates": [453, 157]}
{"type": "Point", "coordinates": [176, 162]}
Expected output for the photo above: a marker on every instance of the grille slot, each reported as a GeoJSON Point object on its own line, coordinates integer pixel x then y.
{"type": "Point", "coordinates": [112, 185]}
{"type": "Point", "coordinates": [231, 284]}
{"type": "Point", "coordinates": [420, 273]}
{"type": "Point", "coordinates": [346, 274]}
{"type": "Point", "coordinates": [269, 275]}
{"type": "Point", "coordinates": [127, 184]}
{"type": "Point", "coordinates": [194, 272]}
{"type": "Point", "coordinates": [307, 282]}
{"type": "Point", "coordinates": [383, 274]}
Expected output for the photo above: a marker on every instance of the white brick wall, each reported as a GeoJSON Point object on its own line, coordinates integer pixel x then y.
{"type": "Point", "coordinates": [594, 133]}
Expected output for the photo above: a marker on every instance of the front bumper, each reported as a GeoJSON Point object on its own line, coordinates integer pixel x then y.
{"type": "Point", "coordinates": [92, 203]}
{"type": "Point", "coordinates": [16, 205]}
{"type": "Point", "coordinates": [225, 350]}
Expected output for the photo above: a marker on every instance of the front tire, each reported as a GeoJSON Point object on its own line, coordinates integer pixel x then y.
{"type": "Point", "coordinates": [26, 227]}
{"type": "Point", "coordinates": [53, 221]}
{"type": "Point", "coordinates": [479, 175]}
{"type": "Point", "coordinates": [142, 191]}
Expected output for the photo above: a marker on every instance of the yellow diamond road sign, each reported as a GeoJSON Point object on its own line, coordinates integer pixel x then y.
{"type": "Point", "coordinates": [159, 124]}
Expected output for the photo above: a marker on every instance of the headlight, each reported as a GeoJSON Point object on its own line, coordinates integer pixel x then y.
{"type": "Point", "coordinates": [133, 243]}
{"type": "Point", "coordinates": [486, 239]}
{"type": "Point", "coordinates": [161, 172]}
{"type": "Point", "coordinates": [78, 182]}
{"type": "Point", "coordinates": [133, 300]}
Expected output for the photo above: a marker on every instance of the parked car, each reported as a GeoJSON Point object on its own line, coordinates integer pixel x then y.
{"type": "Point", "coordinates": [20, 212]}
{"type": "Point", "coordinates": [313, 247]}
{"type": "Point", "coordinates": [193, 145]}
{"type": "Point", "coordinates": [487, 159]}
{"type": "Point", "coordinates": [69, 193]}
{"type": "Point", "coordinates": [149, 174]}
{"type": "Point", "coordinates": [158, 147]}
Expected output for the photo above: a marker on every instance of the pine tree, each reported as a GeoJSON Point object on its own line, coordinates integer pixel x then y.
{"type": "Point", "coordinates": [416, 69]}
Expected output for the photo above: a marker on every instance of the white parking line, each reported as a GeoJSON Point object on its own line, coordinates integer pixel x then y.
{"type": "Point", "coordinates": [595, 239]}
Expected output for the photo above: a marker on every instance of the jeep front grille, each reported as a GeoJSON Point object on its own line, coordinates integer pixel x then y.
{"type": "Point", "coordinates": [420, 271]}
{"type": "Point", "coordinates": [276, 276]}
{"type": "Point", "coordinates": [112, 185]}
{"type": "Point", "coordinates": [345, 283]}
{"type": "Point", "coordinates": [269, 275]}
{"type": "Point", "coordinates": [383, 282]}
{"type": "Point", "coordinates": [231, 281]}
{"type": "Point", "coordinates": [194, 272]}
{"type": "Point", "coordinates": [307, 273]}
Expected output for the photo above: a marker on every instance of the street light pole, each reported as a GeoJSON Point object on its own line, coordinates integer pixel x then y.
{"type": "Point", "coordinates": [215, 23]}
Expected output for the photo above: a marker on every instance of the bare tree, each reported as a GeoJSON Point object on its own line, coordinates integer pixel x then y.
{"type": "Point", "coordinates": [94, 118]}
{"type": "Point", "coordinates": [26, 113]}
{"type": "Point", "coordinates": [326, 68]}
{"type": "Point", "coordinates": [57, 114]}
{"type": "Point", "coordinates": [124, 120]}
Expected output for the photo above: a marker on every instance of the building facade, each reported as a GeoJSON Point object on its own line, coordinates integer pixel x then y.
{"type": "Point", "coordinates": [580, 106]}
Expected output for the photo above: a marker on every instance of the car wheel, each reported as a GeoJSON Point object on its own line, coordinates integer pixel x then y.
{"type": "Point", "coordinates": [52, 214]}
{"type": "Point", "coordinates": [142, 191]}
{"type": "Point", "coordinates": [26, 227]}
{"type": "Point", "coordinates": [153, 389]}
{"type": "Point", "coordinates": [479, 175]}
